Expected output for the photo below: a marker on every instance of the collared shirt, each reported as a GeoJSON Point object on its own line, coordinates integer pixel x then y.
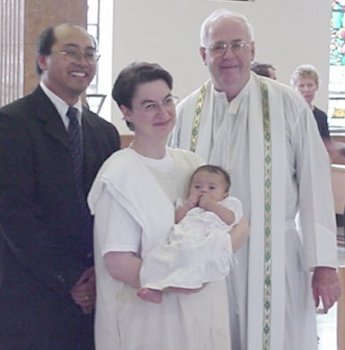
{"type": "Point", "coordinates": [61, 105]}
{"type": "Point", "coordinates": [225, 112]}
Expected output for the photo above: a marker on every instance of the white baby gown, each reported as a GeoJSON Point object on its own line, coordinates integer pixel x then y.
{"type": "Point", "coordinates": [198, 250]}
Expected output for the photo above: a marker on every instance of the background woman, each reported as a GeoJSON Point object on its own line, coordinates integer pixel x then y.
{"type": "Point", "coordinates": [306, 80]}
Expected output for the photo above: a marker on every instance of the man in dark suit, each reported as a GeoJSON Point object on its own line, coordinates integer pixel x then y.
{"type": "Point", "coordinates": [47, 288]}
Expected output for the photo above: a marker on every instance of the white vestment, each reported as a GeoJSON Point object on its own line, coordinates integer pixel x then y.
{"type": "Point", "coordinates": [198, 251]}
{"type": "Point", "coordinates": [232, 135]}
{"type": "Point", "coordinates": [132, 199]}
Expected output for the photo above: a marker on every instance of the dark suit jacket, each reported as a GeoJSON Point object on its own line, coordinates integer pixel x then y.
{"type": "Point", "coordinates": [322, 123]}
{"type": "Point", "coordinates": [41, 246]}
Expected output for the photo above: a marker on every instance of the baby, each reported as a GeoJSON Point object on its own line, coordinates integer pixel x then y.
{"type": "Point", "coordinates": [199, 248]}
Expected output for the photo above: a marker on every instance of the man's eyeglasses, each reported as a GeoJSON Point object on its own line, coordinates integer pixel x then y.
{"type": "Point", "coordinates": [220, 47]}
{"type": "Point", "coordinates": [155, 106]}
{"type": "Point", "coordinates": [74, 56]}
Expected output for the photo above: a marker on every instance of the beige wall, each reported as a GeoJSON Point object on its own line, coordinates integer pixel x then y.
{"type": "Point", "coordinates": [288, 33]}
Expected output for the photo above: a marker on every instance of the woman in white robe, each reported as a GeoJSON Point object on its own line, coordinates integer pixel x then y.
{"type": "Point", "coordinates": [132, 199]}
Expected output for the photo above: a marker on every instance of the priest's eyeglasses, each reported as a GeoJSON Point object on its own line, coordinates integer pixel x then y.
{"type": "Point", "coordinates": [74, 55]}
{"type": "Point", "coordinates": [221, 47]}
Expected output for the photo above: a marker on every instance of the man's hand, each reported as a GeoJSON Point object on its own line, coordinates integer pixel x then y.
{"type": "Point", "coordinates": [326, 287]}
{"type": "Point", "coordinates": [84, 291]}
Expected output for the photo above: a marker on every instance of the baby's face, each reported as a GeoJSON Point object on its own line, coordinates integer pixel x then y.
{"type": "Point", "coordinates": [211, 183]}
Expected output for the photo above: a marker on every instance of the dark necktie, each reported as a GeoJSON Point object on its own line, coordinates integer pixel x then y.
{"type": "Point", "coordinates": [76, 147]}
{"type": "Point", "coordinates": [74, 142]}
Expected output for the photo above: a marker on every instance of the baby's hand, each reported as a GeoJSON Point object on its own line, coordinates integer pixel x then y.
{"type": "Point", "coordinates": [192, 201]}
{"type": "Point", "coordinates": [205, 201]}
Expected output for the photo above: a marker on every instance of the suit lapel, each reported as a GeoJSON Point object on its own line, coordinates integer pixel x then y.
{"type": "Point", "coordinates": [90, 137]}
{"type": "Point", "coordinates": [49, 116]}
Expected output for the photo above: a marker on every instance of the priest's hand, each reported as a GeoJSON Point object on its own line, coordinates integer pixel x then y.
{"type": "Point", "coordinates": [326, 287]}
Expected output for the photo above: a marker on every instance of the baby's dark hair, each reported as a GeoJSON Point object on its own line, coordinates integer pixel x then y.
{"type": "Point", "coordinates": [214, 169]}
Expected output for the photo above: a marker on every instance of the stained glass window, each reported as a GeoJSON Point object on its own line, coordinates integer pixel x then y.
{"type": "Point", "coordinates": [337, 54]}
{"type": "Point", "coordinates": [336, 106]}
